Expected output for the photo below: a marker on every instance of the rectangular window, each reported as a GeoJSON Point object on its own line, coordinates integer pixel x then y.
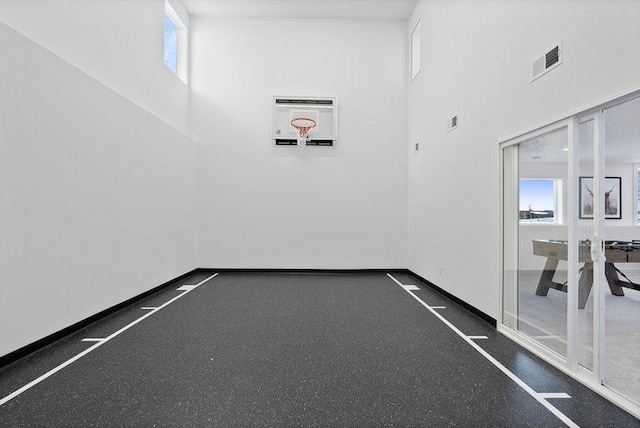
{"type": "Point", "coordinates": [415, 51]}
{"type": "Point", "coordinates": [175, 43]}
{"type": "Point", "coordinates": [539, 201]}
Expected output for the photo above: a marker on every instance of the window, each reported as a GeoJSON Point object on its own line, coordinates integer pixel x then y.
{"type": "Point", "coordinates": [415, 51]}
{"type": "Point", "coordinates": [175, 43]}
{"type": "Point", "coordinates": [539, 201]}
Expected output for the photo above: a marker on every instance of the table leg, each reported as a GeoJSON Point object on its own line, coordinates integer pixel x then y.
{"type": "Point", "coordinates": [584, 284]}
{"type": "Point", "coordinates": [612, 279]}
{"type": "Point", "coordinates": [546, 279]}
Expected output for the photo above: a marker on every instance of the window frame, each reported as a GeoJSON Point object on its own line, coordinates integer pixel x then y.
{"type": "Point", "coordinates": [414, 51]}
{"type": "Point", "coordinates": [182, 48]}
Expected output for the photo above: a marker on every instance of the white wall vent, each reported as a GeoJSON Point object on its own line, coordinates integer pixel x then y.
{"type": "Point", "coordinates": [547, 62]}
{"type": "Point", "coordinates": [452, 124]}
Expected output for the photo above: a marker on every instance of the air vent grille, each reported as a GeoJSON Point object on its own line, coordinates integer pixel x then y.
{"type": "Point", "coordinates": [547, 62]}
{"type": "Point", "coordinates": [452, 123]}
{"type": "Point", "coordinates": [552, 57]}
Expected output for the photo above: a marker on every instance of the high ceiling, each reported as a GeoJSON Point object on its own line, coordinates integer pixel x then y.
{"type": "Point", "coordinates": [370, 10]}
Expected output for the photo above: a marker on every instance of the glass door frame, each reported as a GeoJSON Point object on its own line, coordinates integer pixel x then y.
{"type": "Point", "coordinates": [593, 379]}
{"type": "Point", "coordinates": [597, 247]}
{"type": "Point", "coordinates": [565, 363]}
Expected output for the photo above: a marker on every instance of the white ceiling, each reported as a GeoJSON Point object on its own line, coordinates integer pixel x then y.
{"type": "Point", "coordinates": [369, 10]}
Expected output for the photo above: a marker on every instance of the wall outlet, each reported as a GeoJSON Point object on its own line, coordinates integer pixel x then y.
{"type": "Point", "coordinates": [416, 147]}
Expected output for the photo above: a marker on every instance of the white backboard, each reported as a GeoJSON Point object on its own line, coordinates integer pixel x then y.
{"type": "Point", "coordinates": [321, 109]}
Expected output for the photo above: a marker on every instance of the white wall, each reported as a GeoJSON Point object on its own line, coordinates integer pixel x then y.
{"type": "Point", "coordinates": [476, 58]}
{"type": "Point", "coordinates": [118, 42]}
{"type": "Point", "coordinates": [264, 206]}
{"type": "Point", "coordinates": [98, 195]}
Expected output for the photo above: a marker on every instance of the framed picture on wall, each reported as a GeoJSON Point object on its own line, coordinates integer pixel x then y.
{"type": "Point", "coordinates": [612, 192]}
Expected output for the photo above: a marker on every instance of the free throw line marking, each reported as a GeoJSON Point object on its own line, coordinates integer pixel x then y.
{"type": "Point", "coordinates": [97, 345]}
{"type": "Point", "coordinates": [542, 400]}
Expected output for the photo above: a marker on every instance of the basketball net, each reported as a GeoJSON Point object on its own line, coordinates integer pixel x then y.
{"type": "Point", "coordinates": [303, 126]}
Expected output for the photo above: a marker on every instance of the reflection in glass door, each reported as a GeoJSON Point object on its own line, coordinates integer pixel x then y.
{"type": "Point", "coordinates": [622, 293]}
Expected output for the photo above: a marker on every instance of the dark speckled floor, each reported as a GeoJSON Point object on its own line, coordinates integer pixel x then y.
{"type": "Point", "coordinates": [293, 350]}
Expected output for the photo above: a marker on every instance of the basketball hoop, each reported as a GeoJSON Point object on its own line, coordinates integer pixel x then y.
{"type": "Point", "coordinates": [303, 126]}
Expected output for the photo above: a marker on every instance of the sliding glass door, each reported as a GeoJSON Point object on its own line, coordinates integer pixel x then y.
{"type": "Point", "coordinates": [571, 246]}
{"type": "Point", "coordinates": [535, 297]}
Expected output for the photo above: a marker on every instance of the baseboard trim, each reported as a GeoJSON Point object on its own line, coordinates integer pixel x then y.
{"type": "Point", "coordinates": [45, 341]}
{"type": "Point", "coordinates": [459, 301]}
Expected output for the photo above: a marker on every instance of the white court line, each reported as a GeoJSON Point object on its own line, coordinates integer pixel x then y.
{"type": "Point", "coordinates": [410, 287]}
{"type": "Point", "coordinates": [477, 337]}
{"type": "Point", "coordinates": [91, 339]}
{"type": "Point", "coordinates": [542, 400]}
{"type": "Point", "coordinates": [149, 308]}
{"type": "Point", "coordinates": [186, 287]}
{"type": "Point", "coordinates": [438, 307]}
{"type": "Point", "coordinates": [553, 395]}
{"type": "Point", "coordinates": [98, 344]}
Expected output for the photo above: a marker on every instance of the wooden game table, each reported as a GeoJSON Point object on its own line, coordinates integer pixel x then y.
{"type": "Point", "coordinates": [615, 252]}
